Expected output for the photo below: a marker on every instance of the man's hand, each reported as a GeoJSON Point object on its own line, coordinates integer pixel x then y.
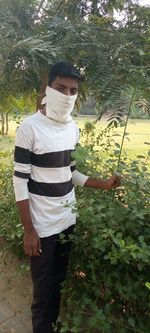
{"type": "Point", "coordinates": [112, 182]}
{"type": "Point", "coordinates": [32, 244]}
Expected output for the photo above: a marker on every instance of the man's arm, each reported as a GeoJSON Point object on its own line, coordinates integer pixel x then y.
{"type": "Point", "coordinates": [32, 245]}
{"type": "Point", "coordinates": [22, 170]}
{"type": "Point", "coordinates": [82, 180]}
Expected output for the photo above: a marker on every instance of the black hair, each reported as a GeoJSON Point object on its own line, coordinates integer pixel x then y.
{"type": "Point", "coordinates": [63, 69]}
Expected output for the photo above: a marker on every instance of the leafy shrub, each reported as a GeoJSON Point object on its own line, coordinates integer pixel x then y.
{"type": "Point", "coordinates": [108, 283]}
{"type": "Point", "coordinates": [10, 225]}
{"type": "Point", "coordinates": [137, 113]}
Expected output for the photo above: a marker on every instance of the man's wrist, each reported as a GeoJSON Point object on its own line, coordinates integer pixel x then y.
{"type": "Point", "coordinates": [96, 183]}
{"type": "Point", "coordinates": [28, 228]}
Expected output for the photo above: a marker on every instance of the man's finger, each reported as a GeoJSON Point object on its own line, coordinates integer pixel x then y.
{"type": "Point", "coordinates": [118, 180]}
{"type": "Point", "coordinates": [28, 251]}
{"type": "Point", "coordinates": [31, 251]}
{"type": "Point", "coordinates": [39, 246]}
{"type": "Point", "coordinates": [36, 251]}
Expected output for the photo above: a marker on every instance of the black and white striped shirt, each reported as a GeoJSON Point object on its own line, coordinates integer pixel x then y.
{"type": "Point", "coordinates": [43, 172]}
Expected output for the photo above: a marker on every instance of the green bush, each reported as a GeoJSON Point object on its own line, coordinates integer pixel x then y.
{"type": "Point", "coordinates": [107, 290]}
{"type": "Point", "coordinates": [137, 113]}
{"type": "Point", "coordinates": [10, 225]}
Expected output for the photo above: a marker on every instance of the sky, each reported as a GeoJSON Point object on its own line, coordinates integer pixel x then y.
{"type": "Point", "coordinates": [121, 15]}
{"type": "Point", "coordinates": [144, 2]}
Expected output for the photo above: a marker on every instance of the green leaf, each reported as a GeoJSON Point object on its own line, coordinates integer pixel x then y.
{"type": "Point", "coordinates": [140, 156]}
{"type": "Point", "coordinates": [144, 168]}
{"type": "Point", "coordinates": [147, 284]}
{"type": "Point", "coordinates": [117, 145]}
{"type": "Point", "coordinates": [141, 239]}
{"type": "Point", "coordinates": [131, 322]}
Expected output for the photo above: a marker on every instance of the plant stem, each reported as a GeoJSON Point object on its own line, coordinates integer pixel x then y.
{"type": "Point", "coordinates": [117, 322]}
{"type": "Point", "coordinates": [123, 137]}
{"type": "Point", "coordinates": [124, 133]}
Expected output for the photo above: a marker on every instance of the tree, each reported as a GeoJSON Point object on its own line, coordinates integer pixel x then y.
{"type": "Point", "coordinates": [35, 34]}
{"type": "Point", "coordinates": [26, 51]}
{"type": "Point", "coordinates": [112, 66]}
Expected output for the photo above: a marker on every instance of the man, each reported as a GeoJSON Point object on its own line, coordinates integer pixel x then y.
{"type": "Point", "coordinates": [44, 180]}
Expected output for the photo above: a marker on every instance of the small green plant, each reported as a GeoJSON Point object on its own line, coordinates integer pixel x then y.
{"type": "Point", "coordinates": [10, 225]}
{"type": "Point", "coordinates": [108, 282]}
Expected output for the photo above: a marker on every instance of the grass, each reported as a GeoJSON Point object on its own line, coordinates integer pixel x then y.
{"type": "Point", "coordinates": [135, 143]}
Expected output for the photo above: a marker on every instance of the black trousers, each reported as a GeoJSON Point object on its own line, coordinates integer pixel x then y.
{"type": "Point", "coordinates": [48, 272]}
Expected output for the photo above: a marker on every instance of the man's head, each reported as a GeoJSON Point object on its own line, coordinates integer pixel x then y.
{"type": "Point", "coordinates": [64, 77]}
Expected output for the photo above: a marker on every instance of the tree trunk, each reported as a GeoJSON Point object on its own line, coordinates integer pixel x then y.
{"type": "Point", "coordinates": [41, 92]}
{"type": "Point", "coordinates": [2, 124]}
{"type": "Point", "coordinates": [7, 123]}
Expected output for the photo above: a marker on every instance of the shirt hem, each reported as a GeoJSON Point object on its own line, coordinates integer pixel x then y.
{"type": "Point", "coordinates": [55, 232]}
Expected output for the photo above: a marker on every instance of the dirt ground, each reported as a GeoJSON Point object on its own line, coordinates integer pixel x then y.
{"type": "Point", "coordinates": [13, 271]}
{"type": "Point", "coordinates": [15, 293]}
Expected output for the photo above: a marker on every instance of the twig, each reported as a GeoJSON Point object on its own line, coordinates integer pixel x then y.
{"type": "Point", "coordinates": [123, 137]}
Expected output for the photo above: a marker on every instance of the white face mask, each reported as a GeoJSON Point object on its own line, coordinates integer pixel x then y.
{"type": "Point", "coordinates": [58, 105]}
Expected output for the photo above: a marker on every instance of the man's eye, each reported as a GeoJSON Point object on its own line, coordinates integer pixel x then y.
{"type": "Point", "coordinates": [60, 89]}
{"type": "Point", "coordinates": [73, 92]}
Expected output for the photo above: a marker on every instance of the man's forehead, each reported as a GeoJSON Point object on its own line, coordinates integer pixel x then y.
{"type": "Point", "coordinates": [65, 81]}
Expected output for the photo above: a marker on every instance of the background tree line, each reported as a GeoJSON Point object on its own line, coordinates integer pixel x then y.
{"type": "Point", "coordinates": [113, 53]}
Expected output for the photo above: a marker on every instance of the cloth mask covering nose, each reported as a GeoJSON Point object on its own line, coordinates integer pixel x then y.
{"type": "Point", "coordinates": [58, 105]}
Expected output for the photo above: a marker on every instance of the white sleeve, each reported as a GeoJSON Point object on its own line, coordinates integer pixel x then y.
{"type": "Point", "coordinates": [20, 188]}
{"type": "Point", "coordinates": [78, 178]}
{"type": "Point", "coordinates": [22, 162]}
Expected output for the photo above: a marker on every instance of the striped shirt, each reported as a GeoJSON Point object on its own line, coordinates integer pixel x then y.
{"type": "Point", "coordinates": [43, 172]}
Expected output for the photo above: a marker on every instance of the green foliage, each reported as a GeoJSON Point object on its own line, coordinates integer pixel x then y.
{"type": "Point", "coordinates": [141, 111]}
{"type": "Point", "coordinates": [111, 69]}
{"type": "Point", "coordinates": [10, 224]}
{"type": "Point", "coordinates": [25, 50]}
{"type": "Point", "coordinates": [108, 282]}
{"type": "Point", "coordinates": [22, 104]}
{"type": "Point", "coordinates": [35, 35]}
